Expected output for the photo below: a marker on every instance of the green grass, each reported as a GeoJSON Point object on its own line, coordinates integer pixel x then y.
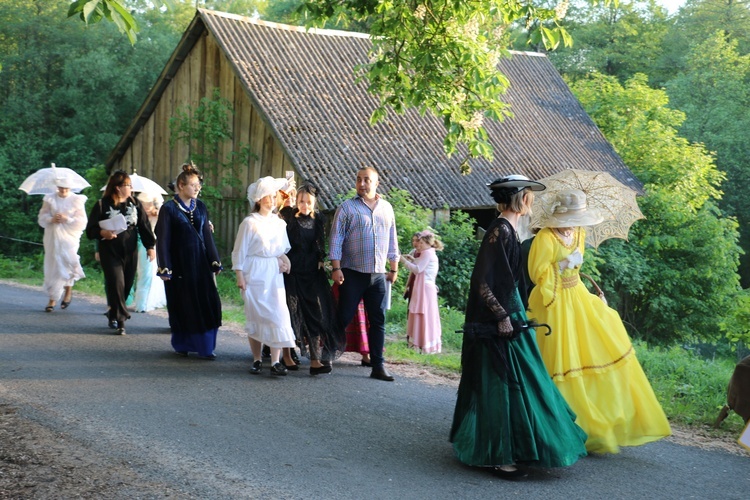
{"type": "Point", "coordinates": [232, 308]}
{"type": "Point", "coordinates": [28, 270]}
{"type": "Point", "coordinates": [397, 351]}
{"type": "Point", "coordinates": [690, 388]}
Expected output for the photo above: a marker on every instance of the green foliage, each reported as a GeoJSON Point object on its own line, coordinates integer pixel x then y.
{"type": "Point", "coordinates": [677, 278]}
{"type": "Point", "coordinates": [457, 258]}
{"type": "Point", "coordinates": [714, 93]}
{"type": "Point", "coordinates": [441, 56]}
{"type": "Point", "coordinates": [644, 130]}
{"type": "Point", "coordinates": [67, 94]}
{"type": "Point", "coordinates": [28, 268]}
{"type": "Point", "coordinates": [458, 236]}
{"type": "Point", "coordinates": [232, 307]}
{"type": "Point", "coordinates": [240, 7]}
{"type": "Point", "coordinates": [115, 11]}
{"type": "Point", "coordinates": [410, 217]}
{"type": "Point", "coordinates": [739, 332]}
{"type": "Point", "coordinates": [282, 11]}
{"type": "Point", "coordinates": [700, 20]}
{"type": "Point", "coordinates": [619, 39]}
{"type": "Point", "coordinates": [206, 130]}
{"type": "Point", "coordinates": [700, 55]}
{"type": "Point", "coordinates": [690, 389]}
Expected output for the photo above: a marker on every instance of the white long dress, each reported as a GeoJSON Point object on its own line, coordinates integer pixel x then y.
{"type": "Point", "coordinates": [149, 289]}
{"type": "Point", "coordinates": [62, 265]}
{"type": "Point", "coordinates": [260, 242]}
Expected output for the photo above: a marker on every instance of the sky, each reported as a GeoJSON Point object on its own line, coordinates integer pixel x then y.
{"type": "Point", "coordinates": [672, 5]}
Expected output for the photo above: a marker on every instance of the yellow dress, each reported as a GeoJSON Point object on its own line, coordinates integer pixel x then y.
{"type": "Point", "coordinates": [589, 354]}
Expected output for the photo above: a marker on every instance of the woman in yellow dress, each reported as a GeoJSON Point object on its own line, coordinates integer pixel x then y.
{"type": "Point", "coordinates": [589, 354]}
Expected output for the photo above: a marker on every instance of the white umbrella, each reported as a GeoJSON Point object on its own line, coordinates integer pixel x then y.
{"type": "Point", "coordinates": [45, 181]}
{"type": "Point", "coordinates": [616, 202]}
{"type": "Point", "coordinates": [144, 185]}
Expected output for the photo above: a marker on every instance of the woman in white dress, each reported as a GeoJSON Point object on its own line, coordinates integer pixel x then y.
{"type": "Point", "coordinates": [63, 217]}
{"type": "Point", "coordinates": [149, 291]}
{"type": "Point", "coordinates": [258, 259]}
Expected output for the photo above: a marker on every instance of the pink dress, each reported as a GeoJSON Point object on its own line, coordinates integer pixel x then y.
{"type": "Point", "coordinates": [423, 328]}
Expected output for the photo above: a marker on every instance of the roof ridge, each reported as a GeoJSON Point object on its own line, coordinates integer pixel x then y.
{"type": "Point", "coordinates": [287, 27]}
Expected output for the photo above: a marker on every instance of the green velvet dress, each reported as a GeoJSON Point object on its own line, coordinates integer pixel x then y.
{"type": "Point", "coordinates": [508, 409]}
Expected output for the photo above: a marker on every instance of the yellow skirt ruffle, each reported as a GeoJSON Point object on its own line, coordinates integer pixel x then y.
{"type": "Point", "coordinates": [592, 362]}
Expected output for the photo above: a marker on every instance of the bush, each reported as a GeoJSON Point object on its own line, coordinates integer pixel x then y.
{"type": "Point", "coordinates": [691, 389]}
{"type": "Point", "coordinates": [410, 219]}
{"type": "Point", "coordinates": [457, 259]}
{"type": "Point", "coordinates": [27, 269]}
{"type": "Point", "coordinates": [458, 236]}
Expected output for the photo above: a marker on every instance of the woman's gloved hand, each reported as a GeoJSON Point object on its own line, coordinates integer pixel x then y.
{"type": "Point", "coordinates": [572, 261]}
{"type": "Point", "coordinates": [505, 328]}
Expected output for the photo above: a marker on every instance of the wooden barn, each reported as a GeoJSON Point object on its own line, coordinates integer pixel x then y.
{"type": "Point", "coordinates": [297, 106]}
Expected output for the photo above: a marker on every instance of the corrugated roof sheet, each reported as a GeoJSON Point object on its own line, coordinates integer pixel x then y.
{"type": "Point", "coordinates": [303, 83]}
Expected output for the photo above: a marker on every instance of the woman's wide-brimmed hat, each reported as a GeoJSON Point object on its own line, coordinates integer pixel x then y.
{"type": "Point", "coordinates": [515, 183]}
{"type": "Point", "coordinates": [263, 187]}
{"type": "Point", "coordinates": [570, 209]}
{"type": "Point", "coordinates": [503, 188]}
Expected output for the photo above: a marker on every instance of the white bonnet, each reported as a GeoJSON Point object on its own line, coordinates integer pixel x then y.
{"type": "Point", "coordinates": [146, 197]}
{"type": "Point", "coordinates": [63, 181]}
{"type": "Point", "coordinates": [264, 187]}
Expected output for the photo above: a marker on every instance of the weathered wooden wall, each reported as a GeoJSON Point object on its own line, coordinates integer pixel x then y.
{"type": "Point", "coordinates": [204, 69]}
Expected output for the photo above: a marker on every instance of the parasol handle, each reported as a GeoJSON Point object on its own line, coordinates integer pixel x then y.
{"type": "Point", "coordinates": [598, 290]}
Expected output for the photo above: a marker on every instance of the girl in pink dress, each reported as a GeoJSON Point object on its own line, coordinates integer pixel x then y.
{"type": "Point", "coordinates": [423, 329]}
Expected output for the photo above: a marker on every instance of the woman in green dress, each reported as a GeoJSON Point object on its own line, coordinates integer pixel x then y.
{"type": "Point", "coordinates": [508, 411]}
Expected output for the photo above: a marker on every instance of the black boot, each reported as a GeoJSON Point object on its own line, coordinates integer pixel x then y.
{"type": "Point", "coordinates": [293, 355]}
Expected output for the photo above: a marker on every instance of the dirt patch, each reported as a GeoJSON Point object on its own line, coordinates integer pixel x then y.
{"type": "Point", "coordinates": [707, 438]}
{"type": "Point", "coordinates": [38, 463]}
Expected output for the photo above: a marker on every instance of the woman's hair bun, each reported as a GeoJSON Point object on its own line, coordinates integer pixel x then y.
{"type": "Point", "coordinates": [190, 168]}
{"type": "Point", "coordinates": [308, 187]}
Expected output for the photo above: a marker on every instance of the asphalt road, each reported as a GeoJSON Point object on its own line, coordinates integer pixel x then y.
{"type": "Point", "coordinates": [211, 429]}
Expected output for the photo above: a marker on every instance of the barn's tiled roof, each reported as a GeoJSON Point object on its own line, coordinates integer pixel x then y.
{"type": "Point", "coordinates": [302, 82]}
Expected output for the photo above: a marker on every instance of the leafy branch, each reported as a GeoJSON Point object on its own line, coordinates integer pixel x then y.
{"type": "Point", "coordinates": [93, 11]}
